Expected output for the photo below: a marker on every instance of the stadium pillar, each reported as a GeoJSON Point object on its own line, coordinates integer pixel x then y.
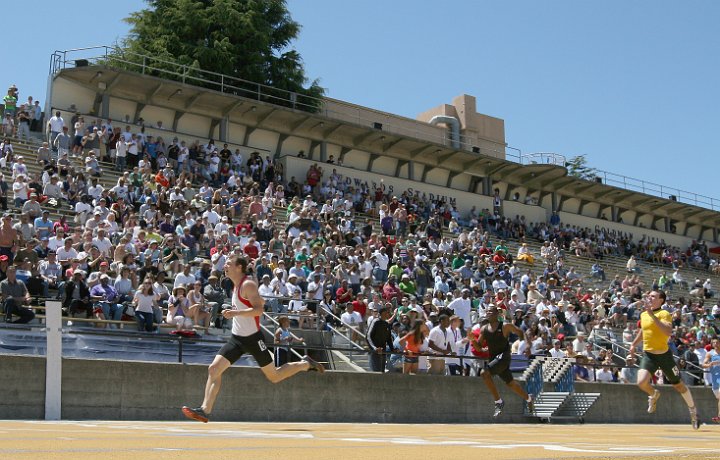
{"type": "Point", "coordinates": [613, 213]}
{"type": "Point", "coordinates": [487, 186]}
{"type": "Point", "coordinates": [554, 201]}
{"type": "Point", "coordinates": [105, 106]}
{"type": "Point", "coordinates": [323, 152]}
{"type": "Point", "coordinates": [53, 360]}
{"type": "Point", "coordinates": [411, 170]}
{"type": "Point", "coordinates": [715, 234]}
{"type": "Point", "coordinates": [373, 157]}
{"type": "Point", "coordinates": [176, 119]}
{"type": "Point", "coordinates": [224, 125]}
{"type": "Point", "coordinates": [451, 176]}
{"type": "Point", "coordinates": [138, 109]}
{"type": "Point", "coordinates": [213, 124]}
{"type": "Point", "coordinates": [278, 147]}
{"type": "Point", "coordinates": [344, 151]}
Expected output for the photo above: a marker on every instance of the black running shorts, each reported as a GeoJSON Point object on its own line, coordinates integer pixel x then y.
{"type": "Point", "coordinates": [500, 366]}
{"type": "Point", "coordinates": [651, 362]}
{"type": "Point", "coordinates": [252, 344]}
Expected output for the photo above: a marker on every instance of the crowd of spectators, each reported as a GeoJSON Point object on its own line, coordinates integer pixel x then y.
{"type": "Point", "coordinates": [152, 247]}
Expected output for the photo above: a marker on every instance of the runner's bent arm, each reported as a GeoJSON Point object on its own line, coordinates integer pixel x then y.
{"type": "Point", "coordinates": [635, 342]}
{"type": "Point", "coordinates": [510, 328]}
{"type": "Point", "coordinates": [257, 302]}
{"type": "Point", "coordinates": [707, 364]}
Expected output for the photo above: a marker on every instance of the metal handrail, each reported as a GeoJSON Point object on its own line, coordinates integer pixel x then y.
{"type": "Point", "coordinates": [544, 158]}
{"type": "Point", "coordinates": [627, 351]}
{"type": "Point", "coordinates": [292, 349]}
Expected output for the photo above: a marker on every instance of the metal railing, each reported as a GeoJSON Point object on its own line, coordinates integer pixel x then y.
{"type": "Point", "coordinates": [543, 158]}
{"type": "Point", "coordinates": [114, 57]}
{"type": "Point", "coordinates": [147, 65]}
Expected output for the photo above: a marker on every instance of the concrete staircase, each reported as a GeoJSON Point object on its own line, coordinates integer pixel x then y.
{"type": "Point", "coordinates": [562, 402]}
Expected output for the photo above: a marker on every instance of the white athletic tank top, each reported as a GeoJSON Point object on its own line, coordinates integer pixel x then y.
{"type": "Point", "coordinates": [243, 326]}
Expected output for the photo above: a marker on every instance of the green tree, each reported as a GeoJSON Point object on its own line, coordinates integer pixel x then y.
{"type": "Point", "coordinates": [245, 39]}
{"type": "Point", "coordinates": [577, 167]}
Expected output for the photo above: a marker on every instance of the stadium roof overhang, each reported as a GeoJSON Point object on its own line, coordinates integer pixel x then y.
{"type": "Point", "coordinates": [255, 114]}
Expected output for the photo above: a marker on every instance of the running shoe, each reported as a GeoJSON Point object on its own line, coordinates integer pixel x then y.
{"type": "Point", "coordinates": [694, 418]}
{"type": "Point", "coordinates": [531, 405]}
{"type": "Point", "coordinates": [716, 419]}
{"type": "Point", "coordinates": [314, 365]}
{"type": "Point", "coordinates": [195, 414]}
{"type": "Point", "coordinates": [652, 402]}
{"type": "Point", "coordinates": [498, 409]}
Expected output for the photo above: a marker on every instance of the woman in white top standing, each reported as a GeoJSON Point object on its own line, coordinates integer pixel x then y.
{"type": "Point", "coordinates": [144, 300]}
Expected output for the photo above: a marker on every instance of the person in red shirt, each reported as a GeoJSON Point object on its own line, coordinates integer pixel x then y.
{"type": "Point", "coordinates": [484, 250]}
{"type": "Point", "coordinates": [239, 228]}
{"type": "Point", "coordinates": [499, 257]}
{"type": "Point", "coordinates": [478, 348]}
{"type": "Point", "coordinates": [251, 249]}
{"type": "Point", "coordinates": [392, 291]}
{"type": "Point", "coordinates": [360, 306]}
{"type": "Point", "coordinates": [344, 294]}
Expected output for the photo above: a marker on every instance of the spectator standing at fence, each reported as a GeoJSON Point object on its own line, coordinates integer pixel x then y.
{"type": "Point", "coordinates": [712, 363]}
{"type": "Point", "coordinates": [144, 301]}
{"type": "Point", "coordinates": [413, 342]}
{"type": "Point", "coordinates": [379, 338]}
{"type": "Point", "coordinates": [246, 338]}
{"type": "Point", "coordinates": [655, 331]}
{"type": "Point", "coordinates": [283, 339]}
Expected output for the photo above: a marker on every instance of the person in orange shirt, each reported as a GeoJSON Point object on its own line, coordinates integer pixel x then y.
{"type": "Point", "coordinates": [654, 332]}
{"type": "Point", "coordinates": [412, 341]}
{"type": "Point", "coordinates": [161, 179]}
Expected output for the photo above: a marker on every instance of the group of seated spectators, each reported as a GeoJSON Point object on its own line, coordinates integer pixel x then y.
{"type": "Point", "coordinates": [327, 253]}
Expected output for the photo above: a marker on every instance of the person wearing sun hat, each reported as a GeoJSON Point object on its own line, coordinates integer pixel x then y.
{"type": "Point", "coordinates": [179, 309]}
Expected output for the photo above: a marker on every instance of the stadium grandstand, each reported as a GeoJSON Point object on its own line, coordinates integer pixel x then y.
{"type": "Point", "coordinates": [156, 173]}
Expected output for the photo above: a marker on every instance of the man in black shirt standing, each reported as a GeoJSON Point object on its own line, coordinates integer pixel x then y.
{"type": "Point", "coordinates": [379, 338]}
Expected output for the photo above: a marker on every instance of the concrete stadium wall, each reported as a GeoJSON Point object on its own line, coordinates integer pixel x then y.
{"type": "Point", "coordinates": [114, 390]}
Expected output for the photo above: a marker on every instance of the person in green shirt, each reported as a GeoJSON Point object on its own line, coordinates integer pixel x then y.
{"type": "Point", "coordinates": [396, 270]}
{"type": "Point", "coordinates": [458, 262]}
{"type": "Point", "coordinates": [407, 285]}
{"type": "Point", "coordinates": [10, 102]}
{"type": "Point", "coordinates": [404, 308]}
{"type": "Point", "coordinates": [502, 247]}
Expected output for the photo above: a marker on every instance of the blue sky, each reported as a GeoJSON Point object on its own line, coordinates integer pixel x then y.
{"type": "Point", "coordinates": [631, 85]}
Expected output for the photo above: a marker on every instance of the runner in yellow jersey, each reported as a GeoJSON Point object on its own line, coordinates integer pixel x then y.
{"type": "Point", "coordinates": [654, 332]}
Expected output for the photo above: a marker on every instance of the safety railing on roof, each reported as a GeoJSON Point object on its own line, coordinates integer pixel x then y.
{"type": "Point", "coordinates": [148, 65]}
{"type": "Point", "coordinates": [543, 158]}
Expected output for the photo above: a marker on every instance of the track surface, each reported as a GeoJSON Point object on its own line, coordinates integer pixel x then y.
{"type": "Point", "coordinates": [190, 440]}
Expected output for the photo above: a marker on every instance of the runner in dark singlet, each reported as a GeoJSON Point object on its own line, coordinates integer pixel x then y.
{"type": "Point", "coordinates": [495, 335]}
{"type": "Point", "coordinates": [246, 338]}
